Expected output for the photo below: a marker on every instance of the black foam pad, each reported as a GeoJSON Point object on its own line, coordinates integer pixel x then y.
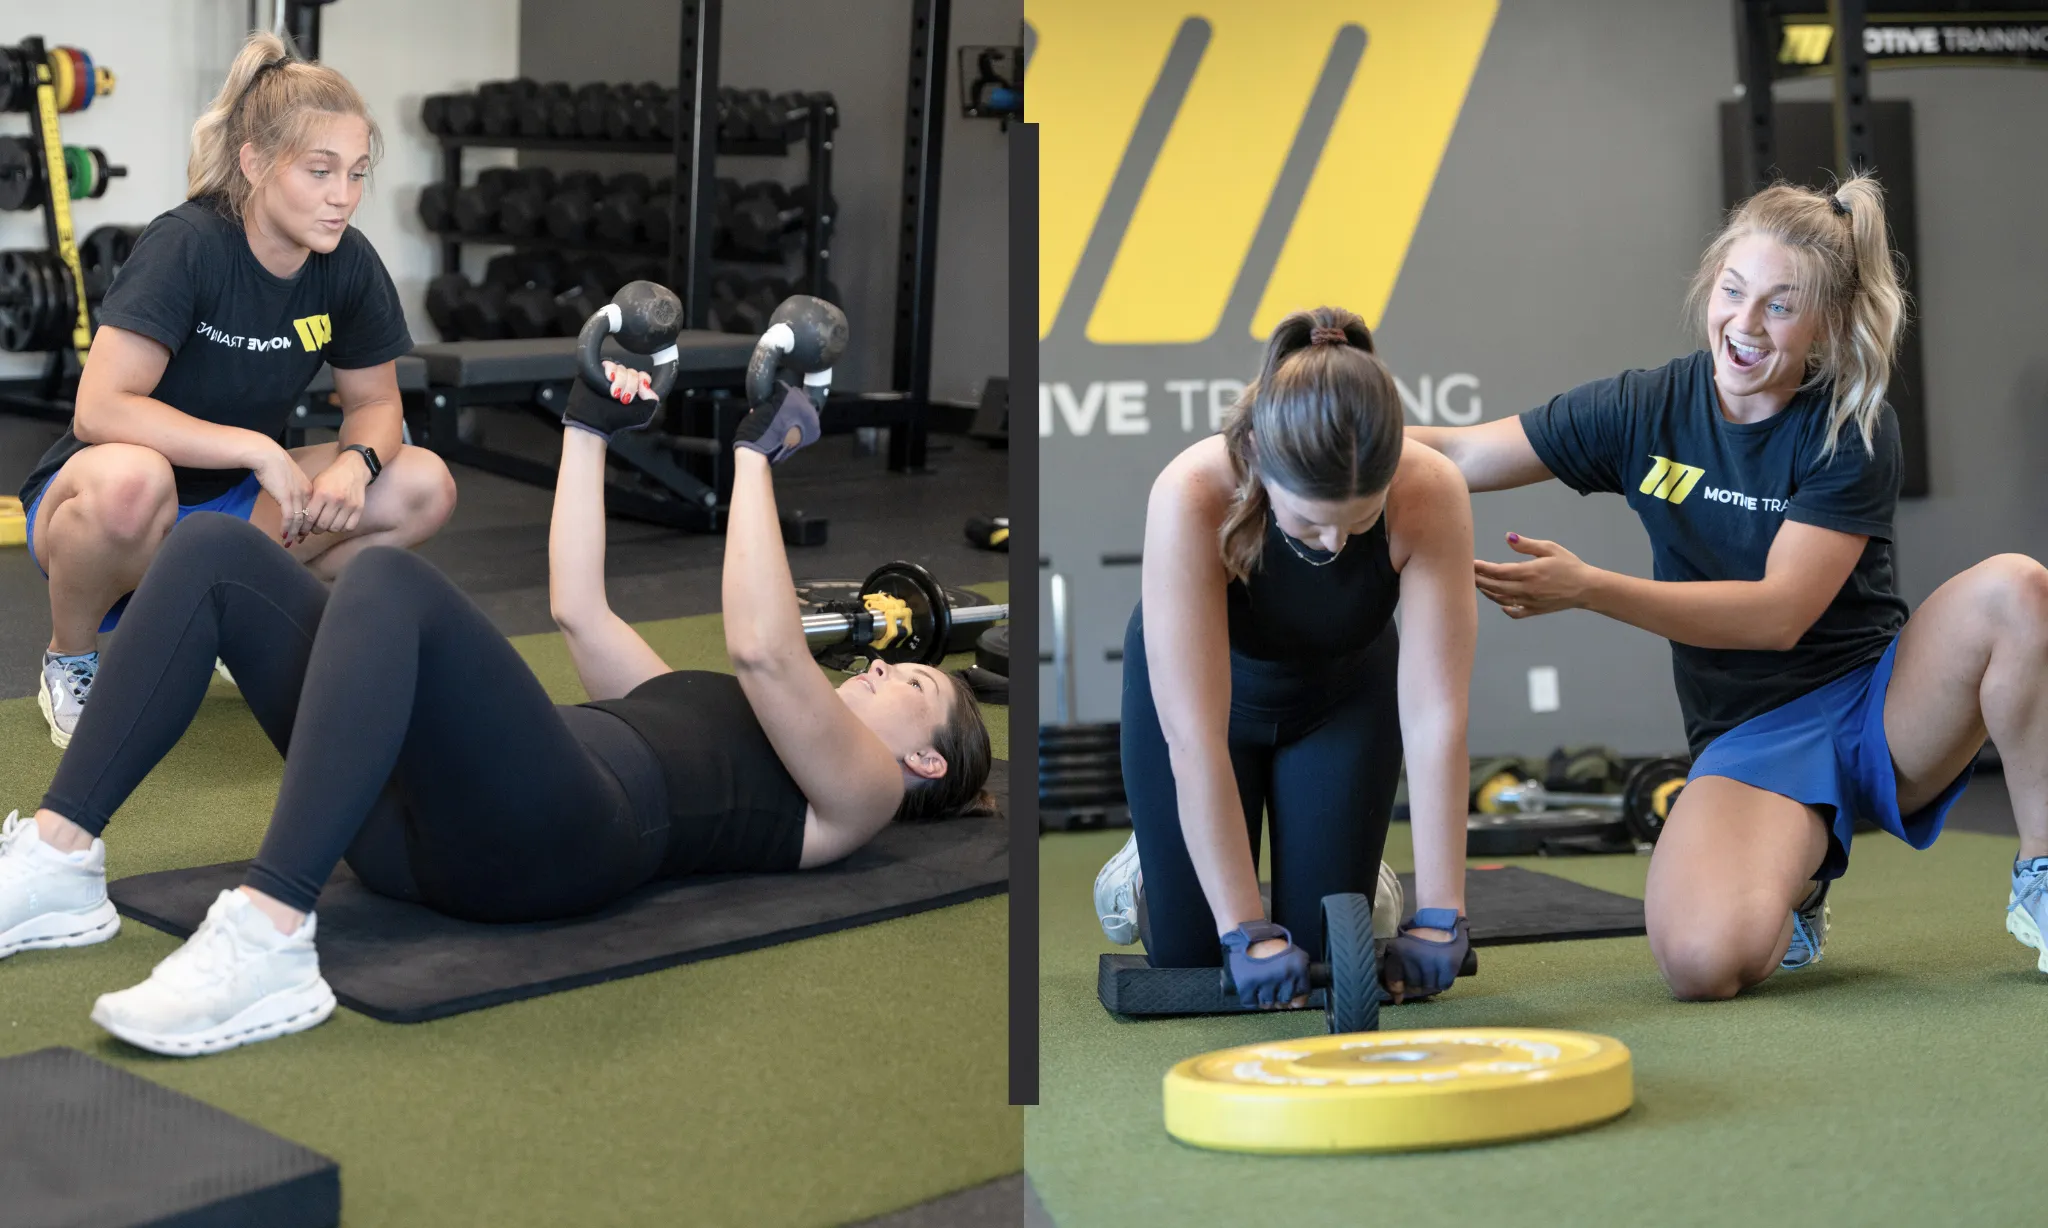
{"type": "Point", "coordinates": [88, 1145]}
{"type": "Point", "coordinates": [405, 963]}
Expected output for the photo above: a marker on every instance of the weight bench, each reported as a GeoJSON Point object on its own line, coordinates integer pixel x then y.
{"type": "Point", "coordinates": [313, 409]}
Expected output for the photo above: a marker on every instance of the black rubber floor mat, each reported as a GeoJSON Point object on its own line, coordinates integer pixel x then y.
{"type": "Point", "coordinates": [404, 963]}
{"type": "Point", "coordinates": [88, 1145]}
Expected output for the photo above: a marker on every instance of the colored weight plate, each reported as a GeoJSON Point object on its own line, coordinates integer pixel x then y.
{"type": "Point", "coordinates": [88, 80]}
{"type": "Point", "coordinates": [1397, 1091]}
{"type": "Point", "coordinates": [80, 98]}
{"type": "Point", "coordinates": [60, 77]}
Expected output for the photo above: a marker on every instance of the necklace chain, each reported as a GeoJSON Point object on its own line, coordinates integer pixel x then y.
{"type": "Point", "coordinates": [1302, 554]}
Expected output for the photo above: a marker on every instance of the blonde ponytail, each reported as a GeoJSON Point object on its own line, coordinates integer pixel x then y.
{"type": "Point", "coordinates": [272, 101]}
{"type": "Point", "coordinates": [1848, 274]}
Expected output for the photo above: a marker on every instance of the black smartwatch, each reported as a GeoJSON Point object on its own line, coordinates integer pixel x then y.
{"type": "Point", "coordinates": [369, 455]}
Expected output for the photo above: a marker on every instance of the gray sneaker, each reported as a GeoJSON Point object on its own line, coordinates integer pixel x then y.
{"type": "Point", "coordinates": [1809, 931]}
{"type": "Point", "coordinates": [66, 682]}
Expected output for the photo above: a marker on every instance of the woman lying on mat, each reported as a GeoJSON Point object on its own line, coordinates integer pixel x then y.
{"type": "Point", "coordinates": [1766, 471]}
{"type": "Point", "coordinates": [223, 313]}
{"type": "Point", "coordinates": [420, 747]}
{"type": "Point", "coordinates": [1263, 672]}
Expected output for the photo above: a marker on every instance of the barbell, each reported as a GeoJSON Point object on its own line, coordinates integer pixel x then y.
{"type": "Point", "coordinates": [901, 616]}
{"type": "Point", "coordinates": [1644, 802]}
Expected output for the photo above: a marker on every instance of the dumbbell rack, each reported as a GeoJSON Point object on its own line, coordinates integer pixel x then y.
{"type": "Point", "coordinates": [43, 397]}
{"type": "Point", "coordinates": [821, 119]}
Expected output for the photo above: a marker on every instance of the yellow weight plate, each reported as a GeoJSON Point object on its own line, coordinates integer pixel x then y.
{"type": "Point", "coordinates": [62, 77]}
{"type": "Point", "coordinates": [13, 523]}
{"type": "Point", "coordinates": [1489, 793]}
{"type": "Point", "coordinates": [1397, 1091]}
{"type": "Point", "coordinates": [1663, 795]}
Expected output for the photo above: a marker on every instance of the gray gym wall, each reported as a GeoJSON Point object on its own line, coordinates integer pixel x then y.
{"type": "Point", "coordinates": [169, 60]}
{"type": "Point", "coordinates": [1569, 210]}
{"type": "Point", "coordinates": [861, 53]}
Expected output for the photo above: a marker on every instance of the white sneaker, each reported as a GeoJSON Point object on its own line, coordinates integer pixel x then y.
{"type": "Point", "coordinates": [221, 667]}
{"type": "Point", "coordinates": [51, 899]}
{"type": "Point", "coordinates": [66, 682]}
{"type": "Point", "coordinates": [1388, 905]}
{"type": "Point", "coordinates": [1117, 889]}
{"type": "Point", "coordinates": [234, 982]}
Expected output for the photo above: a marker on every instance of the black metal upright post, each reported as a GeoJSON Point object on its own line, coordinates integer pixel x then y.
{"type": "Point", "coordinates": [822, 125]}
{"type": "Point", "coordinates": [696, 173]}
{"type": "Point", "coordinates": [302, 23]}
{"type": "Point", "coordinates": [1853, 142]}
{"type": "Point", "coordinates": [917, 259]}
{"type": "Point", "coordinates": [451, 174]}
{"type": "Point", "coordinates": [1756, 37]}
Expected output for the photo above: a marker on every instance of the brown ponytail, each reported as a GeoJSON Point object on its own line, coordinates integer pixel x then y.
{"type": "Point", "coordinates": [962, 741]}
{"type": "Point", "coordinates": [1323, 419]}
{"type": "Point", "coordinates": [272, 101]}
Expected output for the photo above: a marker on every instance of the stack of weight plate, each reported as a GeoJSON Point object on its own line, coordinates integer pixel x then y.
{"type": "Point", "coordinates": [1080, 778]}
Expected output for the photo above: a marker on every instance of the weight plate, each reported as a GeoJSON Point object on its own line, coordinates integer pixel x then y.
{"type": "Point", "coordinates": [1106, 735]}
{"type": "Point", "coordinates": [931, 619]}
{"type": "Point", "coordinates": [81, 96]}
{"type": "Point", "coordinates": [17, 305]}
{"type": "Point", "coordinates": [1397, 1091]}
{"type": "Point", "coordinates": [992, 650]}
{"type": "Point", "coordinates": [61, 73]}
{"type": "Point", "coordinates": [1486, 798]}
{"type": "Point", "coordinates": [20, 176]}
{"type": "Point", "coordinates": [1352, 1001]}
{"type": "Point", "coordinates": [88, 80]}
{"type": "Point", "coordinates": [1652, 790]}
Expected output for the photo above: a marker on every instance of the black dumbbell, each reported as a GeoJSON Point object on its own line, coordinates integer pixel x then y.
{"type": "Point", "coordinates": [434, 114]}
{"type": "Point", "coordinates": [617, 217]}
{"type": "Point", "coordinates": [437, 207]}
{"type": "Point", "coordinates": [592, 100]}
{"type": "Point", "coordinates": [655, 118]}
{"type": "Point", "coordinates": [444, 295]}
{"type": "Point", "coordinates": [657, 217]}
{"type": "Point", "coordinates": [570, 210]}
{"type": "Point", "coordinates": [766, 213]}
{"type": "Point", "coordinates": [562, 116]}
{"type": "Point", "coordinates": [463, 115]}
{"type": "Point", "coordinates": [536, 110]}
{"type": "Point", "coordinates": [498, 104]}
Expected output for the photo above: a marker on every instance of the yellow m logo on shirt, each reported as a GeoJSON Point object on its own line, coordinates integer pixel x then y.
{"type": "Point", "coordinates": [1670, 481]}
{"type": "Point", "coordinates": [314, 332]}
{"type": "Point", "coordinates": [1226, 166]}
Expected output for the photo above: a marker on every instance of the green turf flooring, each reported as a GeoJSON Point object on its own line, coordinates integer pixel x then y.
{"type": "Point", "coordinates": [1897, 1083]}
{"type": "Point", "coordinates": [810, 1083]}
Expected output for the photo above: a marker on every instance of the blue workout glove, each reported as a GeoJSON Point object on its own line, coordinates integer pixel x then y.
{"type": "Point", "coordinates": [785, 423]}
{"type": "Point", "coordinates": [1425, 967]}
{"type": "Point", "coordinates": [1274, 980]}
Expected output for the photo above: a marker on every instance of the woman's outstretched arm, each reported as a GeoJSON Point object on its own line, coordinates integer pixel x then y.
{"type": "Point", "coordinates": [610, 656]}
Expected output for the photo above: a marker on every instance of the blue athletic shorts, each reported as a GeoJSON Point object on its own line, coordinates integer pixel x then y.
{"type": "Point", "coordinates": [1827, 749]}
{"type": "Point", "coordinates": [238, 502]}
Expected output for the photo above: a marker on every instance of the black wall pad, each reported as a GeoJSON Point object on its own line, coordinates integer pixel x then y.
{"type": "Point", "coordinates": [88, 1145]}
{"type": "Point", "coordinates": [1504, 904]}
{"type": "Point", "coordinates": [403, 963]}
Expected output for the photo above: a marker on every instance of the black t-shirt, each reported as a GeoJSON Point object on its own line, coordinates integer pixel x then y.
{"type": "Point", "coordinates": [1712, 494]}
{"type": "Point", "coordinates": [244, 343]}
{"type": "Point", "coordinates": [732, 805]}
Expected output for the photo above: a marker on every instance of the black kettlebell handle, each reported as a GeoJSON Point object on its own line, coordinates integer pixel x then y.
{"type": "Point", "coordinates": [610, 319]}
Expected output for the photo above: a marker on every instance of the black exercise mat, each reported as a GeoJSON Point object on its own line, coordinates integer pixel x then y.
{"type": "Point", "coordinates": [87, 1145]}
{"type": "Point", "coordinates": [1505, 904]}
{"type": "Point", "coordinates": [405, 963]}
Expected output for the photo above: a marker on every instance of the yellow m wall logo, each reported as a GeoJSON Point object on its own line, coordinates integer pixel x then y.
{"type": "Point", "coordinates": [1670, 481]}
{"type": "Point", "coordinates": [1211, 111]}
{"type": "Point", "coordinates": [314, 331]}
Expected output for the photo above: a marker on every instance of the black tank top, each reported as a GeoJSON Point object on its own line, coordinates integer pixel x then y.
{"type": "Point", "coordinates": [732, 805]}
{"type": "Point", "coordinates": [1304, 604]}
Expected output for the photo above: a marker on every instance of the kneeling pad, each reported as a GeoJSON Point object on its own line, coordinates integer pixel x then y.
{"type": "Point", "coordinates": [85, 1143]}
{"type": "Point", "coordinates": [406, 963]}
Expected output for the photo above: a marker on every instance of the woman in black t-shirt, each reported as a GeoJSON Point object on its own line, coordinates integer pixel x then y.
{"type": "Point", "coordinates": [216, 324]}
{"type": "Point", "coordinates": [420, 746]}
{"type": "Point", "coordinates": [1766, 471]}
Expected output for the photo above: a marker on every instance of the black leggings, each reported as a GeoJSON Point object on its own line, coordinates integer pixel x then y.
{"type": "Point", "coordinates": [1320, 749]}
{"type": "Point", "coordinates": [416, 740]}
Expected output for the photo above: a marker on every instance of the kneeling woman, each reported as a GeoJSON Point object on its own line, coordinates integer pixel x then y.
{"type": "Point", "coordinates": [1262, 673]}
{"type": "Point", "coordinates": [1811, 698]}
{"type": "Point", "coordinates": [419, 746]}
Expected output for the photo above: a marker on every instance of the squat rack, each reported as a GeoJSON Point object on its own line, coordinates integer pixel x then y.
{"type": "Point", "coordinates": [1790, 38]}
{"type": "Point", "coordinates": [906, 409]}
